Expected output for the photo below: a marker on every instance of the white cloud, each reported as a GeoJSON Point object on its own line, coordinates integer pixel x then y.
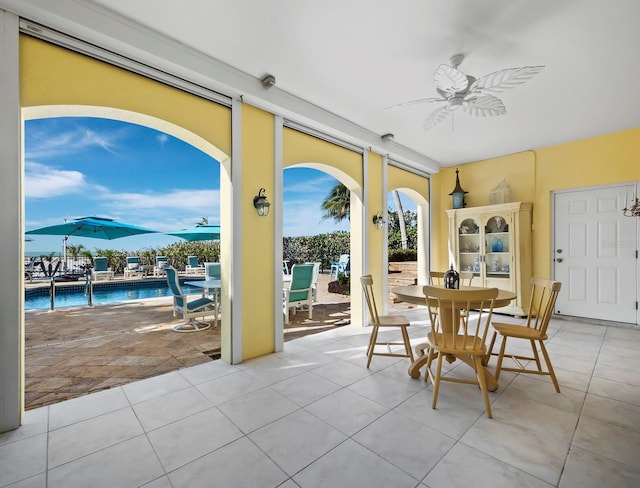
{"type": "Point", "coordinates": [162, 138]}
{"type": "Point", "coordinates": [41, 181]}
{"type": "Point", "coordinates": [45, 145]}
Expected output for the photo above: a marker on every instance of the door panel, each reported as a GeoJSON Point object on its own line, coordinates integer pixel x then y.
{"type": "Point", "coordinates": [595, 254]}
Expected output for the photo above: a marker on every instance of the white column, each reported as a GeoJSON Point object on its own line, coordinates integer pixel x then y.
{"type": "Point", "coordinates": [11, 239]}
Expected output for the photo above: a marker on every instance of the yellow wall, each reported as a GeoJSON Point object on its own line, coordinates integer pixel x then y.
{"type": "Point", "coordinates": [602, 160]}
{"type": "Point", "coordinates": [258, 237]}
{"type": "Point", "coordinates": [50, 75]}
{"type": "Point", "coordinates": [400, 179]}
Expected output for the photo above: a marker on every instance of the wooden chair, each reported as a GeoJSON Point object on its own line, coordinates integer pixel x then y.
{"type": "Point", "coordinates": [466, 277]}
{"type": "Point", "coordinates": [378, 321]}
{"type": "Point", "coordinates": [436, 278]}
{"type": "Point", "coordinates": [543, 298]}
{"type": "Point", "coordinates": [452, 307]}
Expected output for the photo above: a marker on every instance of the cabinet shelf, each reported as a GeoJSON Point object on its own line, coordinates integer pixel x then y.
{"type": "Point", "coordinates": [508, 227]}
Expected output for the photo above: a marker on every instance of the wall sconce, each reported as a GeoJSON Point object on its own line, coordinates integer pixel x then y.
{"type": "Point", "coordinates": [458, 194]}
{"type": "Point", "coordinates": [261, 203]}
{"type": "Point", "coordinates": [378, 221]}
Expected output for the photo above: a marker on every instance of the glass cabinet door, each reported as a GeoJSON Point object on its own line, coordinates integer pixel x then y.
{"type": "Point", "coordinates": [469, 246]}
{"type": "Point", "coordinates": [497, 247]}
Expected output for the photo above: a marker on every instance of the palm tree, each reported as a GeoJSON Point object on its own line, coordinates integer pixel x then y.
{"type": "Point", "coordinates": [337, 205]}
{"type": "Point", "coordinates": [401, 222]}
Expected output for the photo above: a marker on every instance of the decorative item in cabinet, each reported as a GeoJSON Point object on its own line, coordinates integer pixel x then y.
{"type": "Point", "coordinates": [494, 242]}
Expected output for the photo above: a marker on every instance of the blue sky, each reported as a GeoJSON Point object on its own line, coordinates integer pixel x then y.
{"type": "Point", "coordinates": [82, 166]}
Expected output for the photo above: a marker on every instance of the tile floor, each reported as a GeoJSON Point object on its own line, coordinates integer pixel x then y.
{"type": "Point", "coordinates": [314, 416]}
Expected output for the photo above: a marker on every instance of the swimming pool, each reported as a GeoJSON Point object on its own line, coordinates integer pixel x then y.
{"type": "Point", "coordinates": [103, 293]}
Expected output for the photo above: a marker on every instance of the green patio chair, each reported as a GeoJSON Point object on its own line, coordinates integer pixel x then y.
{"type": "Point", "coordinates": [193, 266]}
{"type": "Point", "coordinates": [101, 268]}
{"type": "Point", "coordinates": [299, 292]}
{"type": "Point", "coordinates": [190, 310]}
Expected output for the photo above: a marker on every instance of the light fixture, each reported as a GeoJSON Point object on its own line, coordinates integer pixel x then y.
{"type": "Point", "coordinates": [387, 137]}
{"type": "Point", "coordinates": [634, 211]}
{"type": "Point", "coordinates": [378, 221]}
{"type": "Point", "coordinates": [458, 194]}
{"type": "Point", "coordinates": [261, 203]}
{"type": "Point", "coordinates": [268, 81]}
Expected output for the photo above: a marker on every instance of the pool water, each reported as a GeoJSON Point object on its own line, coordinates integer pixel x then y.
{"type": "Point", "coordinates": [101, 296]}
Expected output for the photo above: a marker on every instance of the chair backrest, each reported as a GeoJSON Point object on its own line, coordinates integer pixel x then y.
{"type": "Point", "coordinates": [161, 261]}
{"type": "Point", "coordinates": [212, 271]}
{"type": "Point", "coordinates": [452, 314]}
{"type": "Point", "coordinates": [133, 262]}
{"type": "Point", "coordinates": [367, 287]}
{"type": "Point", "coordinates": [316, 272]}
{"type": "Point", "coordinates": [192, 261]}
{"type": "Point", "coordinates": [466, 277]}
{"type": "Point", "coordinates": [174, 285]}
{"type": "Point", "coordinates": [101, 263]}
{"type": "Point", "coordinates": [344, 263]}
{"type": "Point", "coordinates": [543, 299]}
{"type": "Point", "coordinates": [301, 277]}
{"type": "Point", "coordinates": [436, 278]}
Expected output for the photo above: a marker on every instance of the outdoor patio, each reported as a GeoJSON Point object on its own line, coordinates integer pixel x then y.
{"type": "Point", "coordinates": [76, 351]}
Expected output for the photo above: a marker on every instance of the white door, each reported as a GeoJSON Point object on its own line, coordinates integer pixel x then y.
{"type": "Point", "coordinates": [594, 253]}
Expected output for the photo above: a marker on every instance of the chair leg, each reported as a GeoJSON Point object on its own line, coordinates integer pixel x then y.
{"type": "Point", "coordinates": [436, 383]}
{"type": "Point", "coordinates": [501, 357]}
{"type": "Point", "coordinates": [407, 343]}
{"type": "Point", "coordinates": [490, 350]}
{"type": "Point", "coordinates": [483, 383]}
{"type": "Point", "coordinates": [431, 353]}
{"type": "Point", "coordinates": [535, 354]}
{"type": "Point", "coordinates": [372, 343]}
{"type": "Point", "coordinates": [549, 367]}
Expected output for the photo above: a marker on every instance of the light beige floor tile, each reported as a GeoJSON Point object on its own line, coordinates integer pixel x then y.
{"type": "Point", "coordinates": [229, 387]}
{"type": "Point", "coordinates": [407, 444]}
{"type": "Point", "coordinates": [612, 411]}
{"type": "Point", "coordinates": [192, 437]}
{"type": "Point", "coordinates": [347, 411]}
{"type": "Point", "coordinates": [587, 470]}
{"type": "Point", "coordinates": [527, 450]}
{"type": "Point", "coordinates": [86, 407]}
{"type": "Point", "coordinates": [253, 410]}
{"type": "Point", "coordinates": [305, 388]}
{"type": "Point", "coordinates": [161, 411]}
{"type": "Point", "coordinates": [83, 438]}
{"type": "Point", "coordinates": [464, 466]}
{"type": "Point", "coordinates": [351, 465]}
{"type": "Point", "coordinates": [296, 440]}
{"type": "Point", "coordinates": [608, 440]}
{"type": "Point", "coordinates": [615, 390]}
{"type": "Point", "coordinates": [23, 459]}
{"type": "Point", "coordinates": [240, 463]}
{"type": "Point", "coordinates": [129, 463]}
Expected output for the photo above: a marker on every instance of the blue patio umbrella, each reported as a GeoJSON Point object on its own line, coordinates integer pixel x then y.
{"type": "Point", "coordinates": [96, 227]}
{"type": "Point", "coordinates": [201, 232]}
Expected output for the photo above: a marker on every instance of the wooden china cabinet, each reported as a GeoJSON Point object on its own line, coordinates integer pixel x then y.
{"type": "Point", "coordinates": [494, 242]}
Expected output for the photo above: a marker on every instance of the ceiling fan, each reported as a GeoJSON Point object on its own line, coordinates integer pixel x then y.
{"type": "Point", "coordinates": [473, 95]}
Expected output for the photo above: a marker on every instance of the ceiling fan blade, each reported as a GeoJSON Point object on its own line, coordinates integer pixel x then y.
{"type": "Point", "coordinates": [437, 116]}
{"type": "Point", "coordinates": [484, 106]}
{"type": "Point", "coordinates": [415, 102]}
{"type": "Point", "coordinates": [499, 81]}
{"type": "Point", "coordinates": [450, 80]}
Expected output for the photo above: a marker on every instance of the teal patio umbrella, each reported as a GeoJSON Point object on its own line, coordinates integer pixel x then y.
{"type": "Point", "coordinates": [96, 227]}
{"type": "Point", "coordinates": [201, 232]}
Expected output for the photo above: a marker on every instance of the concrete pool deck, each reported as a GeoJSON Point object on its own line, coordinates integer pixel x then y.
{"type": "Point", "coordinates": [72, 352]}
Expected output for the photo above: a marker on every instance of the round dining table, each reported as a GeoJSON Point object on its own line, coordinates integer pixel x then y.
{"type": "Point", "coordinates": [414, 294]}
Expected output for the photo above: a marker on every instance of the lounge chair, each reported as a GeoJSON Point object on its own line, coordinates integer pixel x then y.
{"type": "Point", "coordinates": [342, 265]}
{"type": "Point", "coordinates": [193, 267]}
{"type": "Point", "coordinates": [161, 263]}
{"type": "Point", "coordinates": [299, 292]}
{"type": "Point", "coordinates": [314, 280]}
{"type": "Point", "coordinates": [200, 307]}
{"type": "Point", "coordinates": [132, 268]}
{"type": "Point", "coordinates": [101, 269]}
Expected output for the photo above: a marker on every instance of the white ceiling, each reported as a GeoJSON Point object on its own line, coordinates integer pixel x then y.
{"type": "Point", "coordinates": [354, 58]}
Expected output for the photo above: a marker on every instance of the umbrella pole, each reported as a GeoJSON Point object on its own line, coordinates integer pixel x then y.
{"type": "Point", "coordinates": [64, 253]}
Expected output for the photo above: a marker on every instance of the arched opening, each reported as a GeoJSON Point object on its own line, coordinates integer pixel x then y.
{"type": "Point", "coordinates": [146, 175]}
